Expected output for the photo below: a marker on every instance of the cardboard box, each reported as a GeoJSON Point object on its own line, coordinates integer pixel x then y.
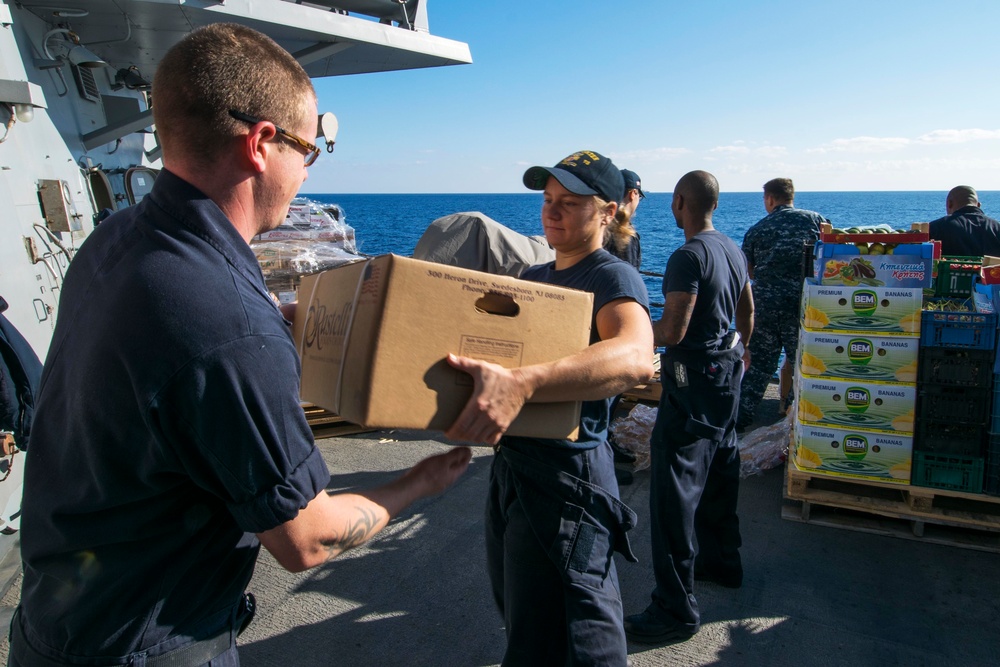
{"type": "Point", "coordinates": [373, 337]}
{"type": "Point", "coordinates": [851, 404]}
{"type": "Point", "coordinates": [884, 457]}
{"type": "Point", "coordinates": [893, 311]}
{"type": "Point", "coordinates": [990, 272]}
{"type": "Point", "coordinates": [909, 265]}
{"type": "Point", "coordinates": [859, 357]}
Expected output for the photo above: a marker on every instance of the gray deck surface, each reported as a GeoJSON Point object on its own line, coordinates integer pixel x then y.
{"type": "Point", "coordinates": [418, 594]}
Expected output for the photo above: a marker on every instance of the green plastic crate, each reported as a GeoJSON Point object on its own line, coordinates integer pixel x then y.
{"type": "Point", "coordinates": [949, 471]}
{"type": "Point", "coordinates": [956, 275]}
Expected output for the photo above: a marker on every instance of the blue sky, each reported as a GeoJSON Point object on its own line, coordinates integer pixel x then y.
{"type": "Point", "coordinates": [845, 95]}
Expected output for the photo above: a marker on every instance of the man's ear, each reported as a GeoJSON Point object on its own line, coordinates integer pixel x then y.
{"type": "Point", "coordinates": [257, 145]}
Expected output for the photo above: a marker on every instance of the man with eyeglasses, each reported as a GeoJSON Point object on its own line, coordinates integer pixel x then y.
{"type": "Point", "coordinates": [169, 442]}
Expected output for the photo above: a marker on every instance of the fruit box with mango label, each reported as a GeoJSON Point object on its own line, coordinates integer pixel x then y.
{"type": "Point", "coordinates": [844, 452]}
{"type": "Point", "coordinates": [874, 265]}
{"type": "Point", "coordinates": [853, 404]}
{"type": "Point", "coordinates": [859, 357]}
{"type": "Point", "coordinates": [892, 311]}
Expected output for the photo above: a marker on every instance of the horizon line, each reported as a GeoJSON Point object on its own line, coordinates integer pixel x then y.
{"type": "Point", "coordinates": [664, 192]}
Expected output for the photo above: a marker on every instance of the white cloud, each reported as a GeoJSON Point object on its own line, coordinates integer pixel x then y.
{"type": "Point", "coordinates": [957, 136]}
{"type": "Point", "coordinates": [771, 151]}
{"type": "Point", "coordinates": [733, 149]}
{"type": "Point", "coordinates": [887, 144]}
{"type": "Point", "coordinates": [741, 147]}
{"type": "Point", "coordinates": [650, 154]}
{"type": "Point", "coordinates": [862, 145]}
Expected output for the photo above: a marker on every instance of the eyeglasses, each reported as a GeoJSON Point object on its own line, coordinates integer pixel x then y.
{"type": "Point", "coordinates": [312, 152]}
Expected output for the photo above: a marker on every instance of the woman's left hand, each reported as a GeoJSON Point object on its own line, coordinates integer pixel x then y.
{"type": "Point", "coordinates": [497, 397]}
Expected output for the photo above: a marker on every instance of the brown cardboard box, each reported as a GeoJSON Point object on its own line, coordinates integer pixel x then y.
{"type": "Point", "coordinates": [373, 337]}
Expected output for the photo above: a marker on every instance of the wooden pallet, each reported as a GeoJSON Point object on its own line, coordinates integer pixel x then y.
{"type": "Point", "coordinates": [940, 516]}
{"type": "Point", "coordinates": [325, 424]}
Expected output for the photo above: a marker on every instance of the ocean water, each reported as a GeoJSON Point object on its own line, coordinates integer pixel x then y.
{"type": "Point", "coordinates": [394, 223]}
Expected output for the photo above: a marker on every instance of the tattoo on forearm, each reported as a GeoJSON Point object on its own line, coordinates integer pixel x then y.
{"type": "Point", "coordinates": [356, 533]}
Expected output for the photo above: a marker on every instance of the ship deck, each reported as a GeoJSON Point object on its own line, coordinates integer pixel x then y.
{"type": "Point", "coordinates": [418, 594]}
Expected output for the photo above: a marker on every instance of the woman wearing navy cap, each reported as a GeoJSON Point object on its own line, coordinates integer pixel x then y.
{"type": "Point", "coordinates": [621, 238]}
{"type": "Point", "coordinates": [553, 515]}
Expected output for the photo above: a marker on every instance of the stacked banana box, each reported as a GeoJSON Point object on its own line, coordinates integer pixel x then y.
{"type": "Point", "coordinates": [859, 344]}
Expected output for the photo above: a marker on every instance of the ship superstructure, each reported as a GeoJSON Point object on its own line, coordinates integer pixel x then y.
{"type": "Point", "coordinates": [77, 139]}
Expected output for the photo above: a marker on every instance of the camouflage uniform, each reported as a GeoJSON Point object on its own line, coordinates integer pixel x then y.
{"type": "Point", "coordinates": [774, 248]}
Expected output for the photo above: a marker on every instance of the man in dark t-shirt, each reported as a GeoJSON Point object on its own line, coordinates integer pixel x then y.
{"type": "Point", "coordinates": [695, 462]}
{"type": "Point", "coordinates": [966, 230]}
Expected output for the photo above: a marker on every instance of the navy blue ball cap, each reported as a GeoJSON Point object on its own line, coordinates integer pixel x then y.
{"type": "Point", "coordinates": [582, 173]}
{"type": "Point", "coordinates": [633, 182]}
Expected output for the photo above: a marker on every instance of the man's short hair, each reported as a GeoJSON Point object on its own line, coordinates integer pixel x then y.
{"type": "Point", "coordinates": [214, 69]}
{"type": "Point", "coordinates": [961, 196]}
{"type": "Point", "coordinates": [700, 189]}
{"type": "Point", "coordinates": [780, 188]}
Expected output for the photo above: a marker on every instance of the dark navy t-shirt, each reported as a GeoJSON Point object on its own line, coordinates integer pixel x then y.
{"type": "Point", "coordinates": [167, 431]}
{"type": "Point", "coordinates": [713, 267]}
{"type": "Point", "coordinates": [967, 232]}
{"type": "Point", "coordinates": [607, 278]}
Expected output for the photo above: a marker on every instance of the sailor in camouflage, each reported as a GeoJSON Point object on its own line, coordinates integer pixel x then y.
{"type": "Point", "coordinates": [774, 250]}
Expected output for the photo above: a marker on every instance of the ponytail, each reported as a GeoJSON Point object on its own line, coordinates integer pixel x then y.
{"type": "Point", "coordinates": [620, 232]}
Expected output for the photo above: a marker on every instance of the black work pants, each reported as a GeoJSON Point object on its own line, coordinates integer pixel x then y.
{"type": "Point", "coordinates": [695, 477]}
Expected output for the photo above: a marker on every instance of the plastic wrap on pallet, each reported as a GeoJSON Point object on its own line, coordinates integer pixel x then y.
{"type": "Point", "coordinates": [633, 431]}
{"type": "Point", "coordinates": [308, 220]}
{"type": "Point", "coordinates": [762, 449]}
{"type": "Point", "coordinates": [283, 263]}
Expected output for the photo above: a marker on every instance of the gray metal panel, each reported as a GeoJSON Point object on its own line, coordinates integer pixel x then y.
{"type": "Point", "coordinates": [158, 24]}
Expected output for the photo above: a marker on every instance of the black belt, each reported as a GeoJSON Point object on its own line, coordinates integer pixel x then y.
{"type": "Point", "coordinates": [191, 655]}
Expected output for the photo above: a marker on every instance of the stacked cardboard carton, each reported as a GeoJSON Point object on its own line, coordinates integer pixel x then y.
{"type": "Point", "coordinates": [857, 359]}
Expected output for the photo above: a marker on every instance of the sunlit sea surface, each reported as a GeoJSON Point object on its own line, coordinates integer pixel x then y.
{"type": "Point", "coordinates": [394, 223]}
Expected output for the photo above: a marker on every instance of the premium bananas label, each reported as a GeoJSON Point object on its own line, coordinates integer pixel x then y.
{"type": "Point", "coordinates": [878, 310]}
{"type": "Point", "coordinates": [872, 406]}
{"type": "Point", "coordinates": [843, 452]}
{"type": "Point", "coordinates": [861, 358]}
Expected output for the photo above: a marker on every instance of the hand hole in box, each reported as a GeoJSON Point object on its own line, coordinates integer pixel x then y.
{"type": "Point", "coordinates": [496, 303]}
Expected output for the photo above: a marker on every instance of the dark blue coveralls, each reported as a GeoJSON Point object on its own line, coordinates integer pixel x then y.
{"type": "Point", "coordinates": [695, 475]}
{"type": "Point", "coordinates": [554, 519]}
{"type": "Point", "coordinates": [168, 432]}
{"type": "Point", "coordinates": [695, 460]}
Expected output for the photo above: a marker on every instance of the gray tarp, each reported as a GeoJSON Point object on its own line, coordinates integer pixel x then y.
{"type": "Point", "coordinates": [474, 241]}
